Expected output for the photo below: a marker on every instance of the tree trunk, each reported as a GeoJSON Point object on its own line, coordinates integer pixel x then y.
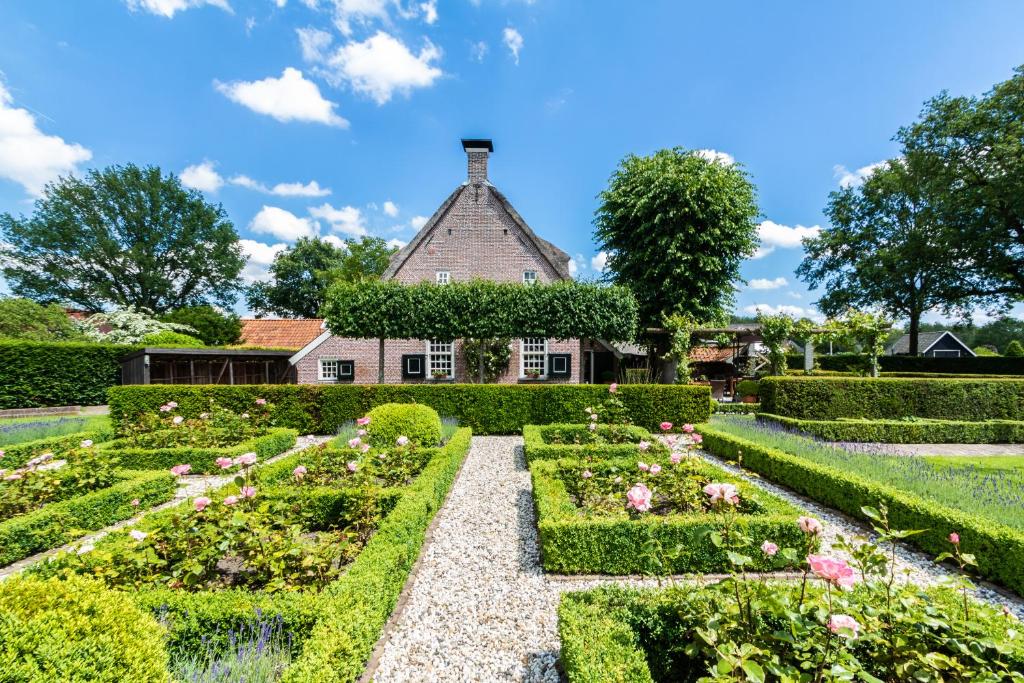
{"type": "Point", "coordinates": [380, 361]}
{"type": "Point", "coordinates": [480, 361]}
{"type": "Point", "coordinates": [915, 331]}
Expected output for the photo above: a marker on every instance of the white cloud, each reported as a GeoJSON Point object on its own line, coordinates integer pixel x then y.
{"type": "Point", "coordinates": [417, 222]}
{"type": "Point", "coordinates": [168, 8]}
{"type": "Point", "coordinates": [348, 220]}
{"type": "Point", "coordinates": [513, 41]}
{"type": "Point", "coordinates": [723, 158]}
{"type": "Point", "coordinates": [478, 51]}
{"type": "Point", "coordinates": [314, 43]}
{"type": "Point", "coordinates": [280, 3]}
{"type": "Point", "coordinates": [334, 240]}
{"type": "Point", "coordinates": [28, 156]}
{"type": "Point", "coordinates": [259, 257]}
{"type": "Point", "coordinates": [773, 235]}
{"type": "Point", "coordinates": [768, 309]}
{"type": "Point", "coordinates": [599, 261]}
{"type": "Point", "coordinates": [310, 189]}
{"type": "Point", "coordinates": [203, 177]}
{"type": "Point", "coordinates": [764, 283]}
{"type": "Point", "coordinates": [429, 10]}
{"type": "Point", "coordinates": [794, 295]}
{"type": "Point", "coordinates": [288, 98]}
{"type": "Point", "coordinates": [849, 178]}
{"type": "Point", "coordinates": [390, 208]}
{"type": "Point", "coordinates": [573, 268]}
{"type": "Point", "coordinates": [285, 225]}
{"type": "Point", "coordinates": [382, 65]}
{"type": "Point", "coordinates": [347, 12]}
{"type": "Point", "coordinates": [396, 243]}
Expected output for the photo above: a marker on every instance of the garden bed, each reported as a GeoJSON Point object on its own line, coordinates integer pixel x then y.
{"type": "Point", "coordinates": [16, 455]}
{"type": "Point", "coordinates": [916, 430]}
{"type": "Point", "coordinates": [554, 441]}
{"type": "Point", "coordinates": [202, 459]}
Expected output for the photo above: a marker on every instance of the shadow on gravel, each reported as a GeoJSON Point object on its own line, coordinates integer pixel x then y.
{"type": "Point", "coordinates": [526, 530]}
{"type": "Point", "coordinates": [539, 667]}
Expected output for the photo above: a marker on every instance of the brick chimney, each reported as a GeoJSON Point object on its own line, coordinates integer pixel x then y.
{"type": "Point", "coordinates": [477, 152]}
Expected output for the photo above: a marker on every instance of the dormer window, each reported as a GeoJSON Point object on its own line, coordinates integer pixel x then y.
{"type": "Point", "coordinates": [443, 277]}
{"type": "Point", "coordinates": [529, 277]}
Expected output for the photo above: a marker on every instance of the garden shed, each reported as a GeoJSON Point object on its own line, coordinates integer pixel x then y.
{"type": "Point", "coordinates": [152, 365]}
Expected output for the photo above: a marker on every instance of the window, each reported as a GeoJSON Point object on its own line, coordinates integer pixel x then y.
{"type": "Point", "coordinates": [560, 364]}
{"type": "Point", "coordinates": [443, 277]}
{"type": "Point", "coordinates": [329, 369]}
{"type": "Point", "coordinates": [346, 369]}
{"type": "Point", "coordinates": [412, 366]}
{"type": "Point", "coordinates": [532, 357]}
{"type": "Point", "coordinates": [441, 359]}
{"type": "Point", "coordinates": [529, 277]}
{"type": "Point", "coordinates": [946, 353]}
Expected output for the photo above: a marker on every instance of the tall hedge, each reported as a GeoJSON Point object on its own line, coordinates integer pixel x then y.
{"type": "Point", "coordinates": [487, 408]}
{"type": "Point", "coordinates": [40, 374]}
{"type": "Point", "coordinates": [830, 398]}
{"type": "Point", "coordinates": [970, 365]}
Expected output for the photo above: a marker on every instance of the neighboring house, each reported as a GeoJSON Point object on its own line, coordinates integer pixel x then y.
{"type": "Point", "coordinates": [280, 333]}
{"type": "Point", "coordinates": [940, 344]}
{"type": "Point", "coordinates": [476, 233]}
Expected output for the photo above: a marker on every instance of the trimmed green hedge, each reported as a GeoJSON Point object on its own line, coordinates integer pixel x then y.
{"type": "Point", "coordinates": [40, 374]}
{"type": "Point", "coordinates": [59, 523]}
{"type": "Point", "coordinates": [418, 423]}
{"type": "Point", "coordinates": [574, 542]}
{"type": "Point", "coordinates": [736, 408]}
{"type": "Point", "coordinates": [202, 460]}
{"type": "Point", "coordinates": [977, 365]}
{"type": "Point", "coordinates": [904, 431]}
{"type": "Point", "coordinates": [487, 408]}
{"type": "Point", "coordinates": [18, 454]}
{"type": "Point", "coordinates": [598, 644]}
{"type": "Point", "coordinates": [999, 549]}
{"type": "Point", "coordinates": [813, 398]}
{"type": "Point", "coordinates": [536, 446]}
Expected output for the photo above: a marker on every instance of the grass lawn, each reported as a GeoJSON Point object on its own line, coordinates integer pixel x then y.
{"type": "Point", "coordinates": [990, 486]}
{"type": "Point", "coordinates": [21, 429]}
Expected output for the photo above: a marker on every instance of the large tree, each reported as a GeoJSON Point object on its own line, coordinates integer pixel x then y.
{"type": "Point", "coordinates": [885, 249]}
{"type": "Point", "coordinates": [125, 236]}
{"type": "Point", "coordinates": [213, 327]}
{"type": "Point", "coordinates": [971, 149]}
{"type": "Point", "coordinates": [675, 227]}
{"type": "Point", "coordinates": [301, 274]}
{"type": "Point", "coordinates": [28, 320]}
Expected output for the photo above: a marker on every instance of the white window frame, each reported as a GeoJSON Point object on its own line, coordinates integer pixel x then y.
{"type": "Point", "coordinates": [536, 352]}
{"type": "Point", "coordinates": [529, 280]}
{"type": "Point", "coordinates": [322, 376]}
{"type": "Point", "coordinates": [439, 356]}
{"type": "Point", "coordinates": [442, 277]}
{"type": "Point", "coordinates": [946, 353]}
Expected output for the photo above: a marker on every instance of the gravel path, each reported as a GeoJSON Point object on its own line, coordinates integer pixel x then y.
{"type": "Point", "coordinates": [189, 486]}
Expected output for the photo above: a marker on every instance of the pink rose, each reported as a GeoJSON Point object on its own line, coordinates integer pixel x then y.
{"type": "Point", "coordinates": [723, 492]}
{"type": "Point", "coordinates": [836, 572]}
{"type": "Point", "coordinates": [676, 458]}
{"type": "Point", "coordinates": [231, 500]}
{"type": "Point", "coordinates": [244, 416]}
{"type": "Point", "coordinates": [200, 503]}
{"type": "Point", "coordinates": [688, 428]}
{"type": "Point", "coordinates": [352, 466]}
{"type": "Point", "coordinates": [644, 445]}
{"type": "Point", "coordinates": [354, 442]}
{"type": "Point", "coordinates": [954, 538]}
{"type": "Point", "coordinates": [179, 470]}
{"type": "Point", "coordinates": [643, 466]}
{"type": "Point", "coordinates": [665, 426]}
{"type": "Point", "coordinates": [299, 472]}
{"type": "Point", "coordinates": [612, 388]}
{"type": "Point", "coordinates": [204, 416]}
{"type": "Point", "coordinates": [165, 408]}
{"type": "Point", "coordinates": [365, 448]}
{"type": "Point", "coordinates": [655, 468]}
{"type": "Point", "coordinates": [587, 474]}
{"type": "Point", "coordinates": [769, 548]}
{"type": "Point", "coordinates": [224, 463]}
{"type": "Point", "coordinates": [261, 401]}
{"type": "Point", "coordinates": [402, 441]}
{"type": "Point", "coordinates": [1, 454]}
{"type": "Point", "coordinates": [85, 444]}
{"type": "Point", "coordinates": [639, 498]}
{"type": "Point", "coordinates": [361, 432]}
{"type": "Point", "coordinates": [809, 525]}
{"type": "Point", "coordinates": [172, 404]}
{"type": "Point", "coordinates": [246, 459]}
{"type": "Point", "coordinates": [592, 427]}
{"type": "Point", "coordinates": [843, 625]}
{"type": "Point", "coordinates": [178, 419]}
{"type": "Point", "coordinates": [593, 417]}
{"type": "Point", "coordinates": [363, 421]}
{"type": "Point", "coordinates": [248, 491]}
{"type": "Point", "coordinates": [135, 502]}
{"type": "Point", "coordinates": [696, 438]}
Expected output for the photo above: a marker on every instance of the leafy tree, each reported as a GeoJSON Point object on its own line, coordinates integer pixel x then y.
{"type": "Point", "coordinates": [28, 320]}
{"type": "Point", "coordinates": [883, 250]}
{"type": "Point", "coordinates": [971, 150]}
{"type": "Point", "coordinates": [128, 326]}
{"type": "Point", "coordinates": [985, 351]}
{"type": "Point", "coordinates": [1014, 349]}
{"type": "Point", "coordinates": [676, 228]}
{"type": "Point", "coordinates": [212, 326]}
{"type": "Point", "coordinates": [302, 274]}
{"type": "Point", "coordinates": [124, 236]}
{"type": "Point", "coordinates": [493, 354]}
{"type": "Point", "coordinates": [167, 338]}
{"type": "Point", "coordinates": [863, 328]}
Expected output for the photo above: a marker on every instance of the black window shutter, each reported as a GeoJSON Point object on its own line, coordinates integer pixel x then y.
{"type": "Point", "coordinates": [414, 366]}
{"type": "Point", "coordinates": [559, 364]}
{"type": "Point", "coordinates": [346, 370]}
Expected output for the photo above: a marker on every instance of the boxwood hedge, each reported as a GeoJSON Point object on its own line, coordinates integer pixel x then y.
{"type": "Point", "coordinates": [904, 431]}
{"type": "Point", "coordinates": [965, 365]}
{"type": "Point", "coordinates": [575, 542]}
{"type": "Point", "coordinates": [202, 459]}
{"type": "Point", "coordinates": [998, 549]}
{"type": "Point", "coordinates": [536, 440]}
{"type": "Point", "coordinates": [486, 408]}
{"type": "Point", "coordinates": [40, 374]}
{"type": "Point", "coordinates": [812, 398]}
{"type": "Point", "coordinates": [16, 455]}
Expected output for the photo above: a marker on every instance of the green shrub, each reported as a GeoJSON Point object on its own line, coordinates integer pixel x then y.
{"type": "Point", "coordinates": [965, 365]}
{"type": "Point", "coordinates": [904, 431]}
{"type": "Point", "coordinates": [172, 339]}
{"type": "Point", "coordinates": [740, 408]}
{"type": "Point", "coordinates": [418, 423]}
{"type": "Point", "coordinates": [39, 374]}
{"type": "Point", "coordinates": [747, 387]}
{"type": "Point", "coordinates": [76, 631]}
{"type": "Point", "coordinates": [812, 398]}
{"type": "Point", "coordinates": [59, 523]}
{"type": "Point", "coordinates": [537, 442]}
{"type": "Point", "coordinates": [487, 409]}
{"type": "Point", "coordinates": [202, 459]}
{"type": "Point", "coordinates": [598, 643]}
{"type": "Point", "coordinates": [1014, 349]}
{"type": "Point", "coordinates": [16, 455]}
{"type": "Point", "coordinates": [999, 549]}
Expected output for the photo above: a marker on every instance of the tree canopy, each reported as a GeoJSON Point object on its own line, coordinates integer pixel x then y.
{"type": "Point", "coordinates": [211, 326]}
{"type": "Point", "coordinates": [302, 274]}
{"type": "Point", "coordinates": [123, 236]}
{"type": "Point", "coordinates": [28, 320]}
{"type": "Point", "coordinates": [676, 226]}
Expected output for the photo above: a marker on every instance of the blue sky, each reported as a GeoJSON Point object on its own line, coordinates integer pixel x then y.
{"type": "Point", "coordinates": [343, 117]}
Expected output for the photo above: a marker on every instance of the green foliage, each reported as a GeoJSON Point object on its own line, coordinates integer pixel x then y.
{"type": "Point", "coordinates": [36, 374]}
{"type": "Point", "coordinates": [680, 327]}
{"type": "Point", "coordinates": [488, 409]}
{"type": "Point", "coordinates": [497, 354]}
{"type": "Point", "coordinates": [736, 408]}
{"type": "Point", "coordinates": [965, 365]}
{"type": "Point", "coordinates": [676, 226]}
{"type": "Point", "coordinates": [999, 549]}
{"type": "Point", "coordinates": [557, 441]}
{"type": "Point", "coordinates": [1014, 349]}
{"type": "Point", "coordinates": [747, 387]}
{"type": "Point", "coordinates": [202, 458]}
{"type": "Point", "coordinates": [122, 236]}
{"type": "Point", "coordinates": [49, 428]}
{"type": "Point", "coordinates": [480, 309]}
{"type": "Point", "coordinates": [29, 321]}
{"type": "Point", "coordinates": [985, 351]}
{"type": "Point", "coordinates": [128, 326]}
{"type": "Point", "coordinates": [172, 340]}
{"type": "Point", "coordinates": [420, 424]}
{"type": "Point", "coordinates": [830, 398]}
{"type": "Point", "coordinates": [212, 326]}
{"type": "Point", "coordinates": [598, 644]}
{"type": "Point", "coordinates": [776, 330]}
{"type": "Point", "coordinates": [917, 430]}
{"type": "Point", "coordinates": [865, 329]}
{"type": "Point", "coordinates": [302, 274]}
{"type": "Point", "coordinates": [78, 632]}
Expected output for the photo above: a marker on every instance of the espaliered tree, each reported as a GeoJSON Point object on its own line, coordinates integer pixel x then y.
{"type": "Point", "coordinates": [479, 309]}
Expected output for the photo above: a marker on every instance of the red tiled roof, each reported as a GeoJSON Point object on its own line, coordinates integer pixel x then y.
{"type": "Point", "coordinates": [710, 354]}
{"type": "Point", "coordinates": [280, 334]}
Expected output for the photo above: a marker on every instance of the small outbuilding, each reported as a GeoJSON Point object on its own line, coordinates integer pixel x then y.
{"type": "Point", "coordinates": [152, 365]}
{"type": "Point", "coordinates": [938, 344]}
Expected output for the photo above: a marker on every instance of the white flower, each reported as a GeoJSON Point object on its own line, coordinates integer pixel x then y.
{"type": "Point", "coordinates": [138, 535]}
{"type": "Point", "coordinates": [86, 444]}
